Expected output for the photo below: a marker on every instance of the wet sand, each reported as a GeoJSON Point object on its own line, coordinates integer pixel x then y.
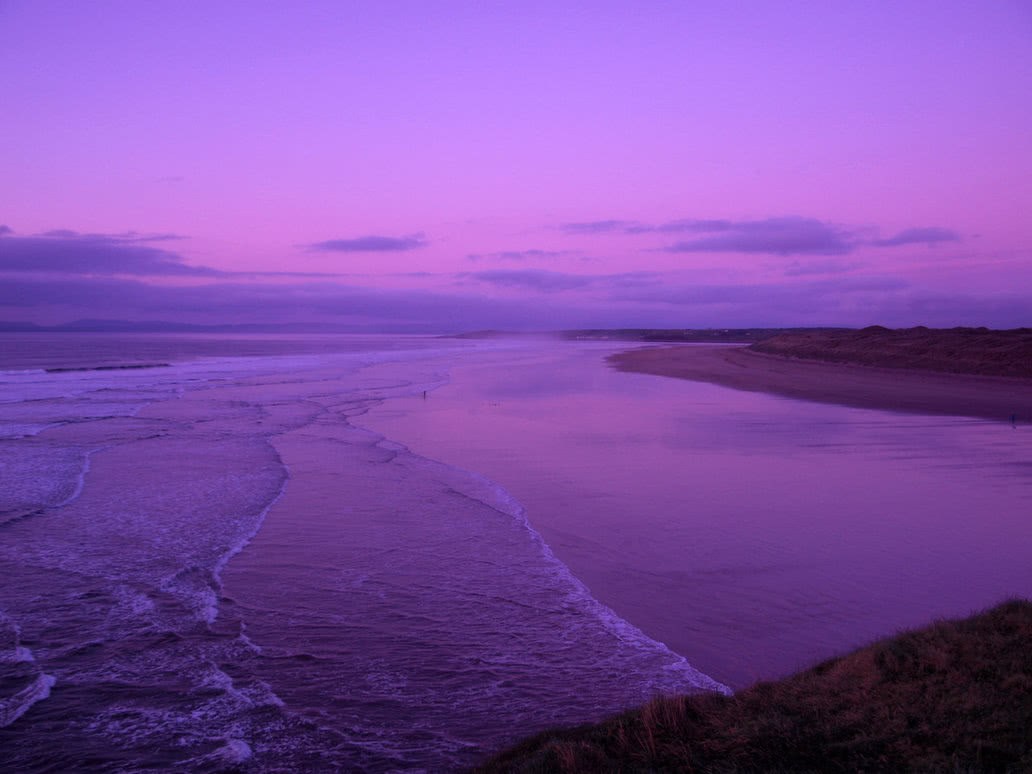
{"type": "Point", "coordinates": [892, 389]}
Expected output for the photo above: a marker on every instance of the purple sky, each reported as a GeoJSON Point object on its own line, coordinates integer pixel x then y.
{"type": "Point", "coordinates": [457, 165]}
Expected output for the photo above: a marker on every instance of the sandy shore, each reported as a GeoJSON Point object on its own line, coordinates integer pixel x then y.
{"type": "Point", "coordinates": [893, 389]}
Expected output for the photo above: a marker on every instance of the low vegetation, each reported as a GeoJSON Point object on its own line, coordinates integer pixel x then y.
{"type": "Point", "coordinates": [695, 335]}
{"type": "Point", "coordinates": [955, 350]}
{"type": "Point", "coordinates": [953, 697]}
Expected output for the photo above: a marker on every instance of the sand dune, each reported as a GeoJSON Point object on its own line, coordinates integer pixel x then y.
{"type": "Point", "coordinates": [954, 350]}
{"type": "Point", "coordinates": [894, 389]}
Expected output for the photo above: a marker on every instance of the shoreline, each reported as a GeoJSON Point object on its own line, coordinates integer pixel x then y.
{"type": "Point", "coordinates": [888, 389]}
{"type": "Point", "coordinates": [948, 696]}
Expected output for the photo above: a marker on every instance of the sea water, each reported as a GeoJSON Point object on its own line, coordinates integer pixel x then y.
{"type": "Point", "coordinates": [756, 535]}
{"type": "Point", "coordinates": [355, 553]}
{"type": "Point", "coordinates": [208, 564]}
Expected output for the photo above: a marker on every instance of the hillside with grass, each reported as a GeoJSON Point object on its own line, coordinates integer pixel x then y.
{"type": "Point", "coordinates": [955, 696]}
{"type": "Point", "coordinates": [955, 350]}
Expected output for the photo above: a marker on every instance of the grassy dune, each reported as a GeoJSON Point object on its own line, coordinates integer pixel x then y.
{"type": "Point", "coordinates": [956, 350]}
{"type": "Point", "coordinates": [953, 697]}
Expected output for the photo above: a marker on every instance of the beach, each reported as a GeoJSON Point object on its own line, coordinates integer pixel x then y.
{"type": "Point", "coordinates": [951, 350]}
{"type": "Point", "coordinates": [954, 691]}
{"type": "Point", "coordinates": [738, 527]}
{"type": "Point", "coordinates": [891, 389]}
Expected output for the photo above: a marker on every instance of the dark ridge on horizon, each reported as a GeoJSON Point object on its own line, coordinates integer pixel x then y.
{"type": "Point", "coordinates": [497, 334]}
{"type": "Point", "coordinates": [729, 335]}
{"type": "Point", "coordinates": [815, 342]}
{"type": "Point", "coordinates": [162, 326]}
{"type": "Point", "coordinates": [691, 335]}
{"type": "Point", "coordinates": [129, 366]}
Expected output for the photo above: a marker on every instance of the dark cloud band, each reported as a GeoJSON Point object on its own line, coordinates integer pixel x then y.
{"type": "Point", "coordinates": [915, 236]}
{"type": "Point", "coordinates": [521, 255]}
{"type": "Point", "coordinates": [371, 244]}
{"type": "Point", "coordinates": [777, 236]}
{"type": "Point", "coordinates": [68, 252]}
{"type": "Point", "coordinates": [788, 235]}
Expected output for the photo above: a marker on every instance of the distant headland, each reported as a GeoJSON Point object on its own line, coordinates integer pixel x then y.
{"type": "Point", "coordinates": [960, 371]}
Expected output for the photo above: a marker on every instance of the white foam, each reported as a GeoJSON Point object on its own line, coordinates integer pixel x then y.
{"type": "Point", "coordinates": [80, 481]}
{"type": "Point", "coordinates": [241, 544]}
{"type": "Point", "coordinates": [13, 708]}
{"type": "Point", "coordinates": [496, 497]}
{"type": "Point", "coordinates": [222, 718]}
{"type": "Point", "coordinates": [13, 430]}
{"type": "Point", "coordinates": [22, 655]}
{"type": "Point", "coordinates": [234, 751]}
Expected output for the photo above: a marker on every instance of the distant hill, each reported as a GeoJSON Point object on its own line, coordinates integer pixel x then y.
{"type": "Point", "coordinates": [699, 335]}
{"type": "Point", "coordinates": [727, 335]}
{"type": "Point", "coordinates": [163, 326]}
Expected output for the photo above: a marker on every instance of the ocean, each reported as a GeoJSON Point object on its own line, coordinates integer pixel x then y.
{"type": "Point", "coordinates": [385, 553]}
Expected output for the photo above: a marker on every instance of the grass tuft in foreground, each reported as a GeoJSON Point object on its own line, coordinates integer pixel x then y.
{"type": "Point", "coordinates": [953, 697]}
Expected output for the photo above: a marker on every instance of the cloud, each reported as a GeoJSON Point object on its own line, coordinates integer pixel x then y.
{"type": "Point", "coordinates": [599, 227]}
{"type": "Point", "coordinates": [787, 235]}
{"type": "Point", "coordinates": [831, 266]}
{"type": "Point", "coordinates": [681, 226]}
{"type": "Point", "coordinates": [69, 252]}
{"type": "Point", "coordinates": [371, 244]}
{"type": "Point", "coordinates": [616, 226]}
{"type": "Point", "coordinates": [63, 251]}
{"type": "Point", "coordinates": [533, 279]}
{"type": "Point", "coordinates": [521, 255]}
{"type": "Point", "coordinates": [126, 237]}
{"type": "Point", "coordinates": [833, 301]}
{"type": "Point", "coordinates": [792, 235]}
{"type": "Point", "coordinates": [242, 302]}
{"type": "Point", "coordinates": [616, 301]}
{"type": "Point", "coordinates": [543, 281]}
{"type": "Point", "coordinates": [928, 236]}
